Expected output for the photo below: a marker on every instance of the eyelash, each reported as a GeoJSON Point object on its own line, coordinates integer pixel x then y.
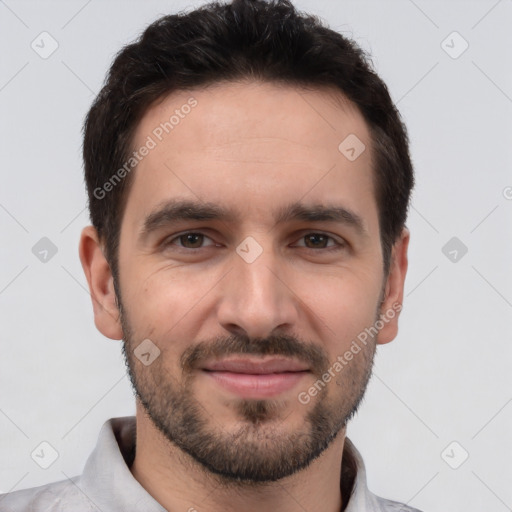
{"type": "Point", "coordinates": [339, 245]}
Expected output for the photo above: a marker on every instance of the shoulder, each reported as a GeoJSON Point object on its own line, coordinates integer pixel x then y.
{"type": "Point", "coordinates": [395, 506]}
{"type": "Point", "coordinates": [54, 497]}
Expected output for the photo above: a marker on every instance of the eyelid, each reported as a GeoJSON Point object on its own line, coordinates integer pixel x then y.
{"type": "Point", "coordinates": [338, 243]}
{"type": "Point", "coordinates": [169, 240]}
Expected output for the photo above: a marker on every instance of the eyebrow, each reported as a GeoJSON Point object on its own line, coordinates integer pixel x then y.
{"type": "Point", "coordinates": [175, 210]}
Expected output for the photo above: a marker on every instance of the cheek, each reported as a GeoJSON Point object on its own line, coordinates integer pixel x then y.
{"type": "Point", "coordinates": [338, 302]}
{"type": "Point", "coordinates": [343, 306]}
{"type": "Point", "coordinates": [162, 304]}
{"type": "Point", "coordinates": [166, 292]}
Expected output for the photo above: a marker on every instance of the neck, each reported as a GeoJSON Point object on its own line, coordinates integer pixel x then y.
{"type": "Point", "coordinates": [178, 482]}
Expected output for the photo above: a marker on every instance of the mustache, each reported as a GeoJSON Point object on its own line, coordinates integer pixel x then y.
{"type": "Point", "coordinates": [280, 344]}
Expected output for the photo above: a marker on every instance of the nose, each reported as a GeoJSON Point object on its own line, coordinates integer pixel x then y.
{"type": "Point", "coordinates": [256, 298]}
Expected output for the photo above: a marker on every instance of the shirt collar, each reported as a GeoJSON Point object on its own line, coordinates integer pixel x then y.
{"type": "Point", "coordinates": [107, 480]}
{"type": "Point", "coordinates": [353, 471]}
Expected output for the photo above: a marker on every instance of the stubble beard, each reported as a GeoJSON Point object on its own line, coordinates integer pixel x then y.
{"type": "Point", "coordinates": [259, 449]}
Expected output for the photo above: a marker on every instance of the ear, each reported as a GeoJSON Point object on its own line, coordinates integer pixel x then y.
{"type": "Point", "coordinates": [394, 290]}
{"type": "Point", "coordinates": [101, 284]}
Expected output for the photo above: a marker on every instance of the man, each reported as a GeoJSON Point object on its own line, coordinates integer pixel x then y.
{"type": "Point", "coordinates": [248, 179]}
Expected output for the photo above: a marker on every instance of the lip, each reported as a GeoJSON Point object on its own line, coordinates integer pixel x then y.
{"type": "Point", "coordinates": [257, 366]}
{"type": "Point", "coordinates": [256, 378]}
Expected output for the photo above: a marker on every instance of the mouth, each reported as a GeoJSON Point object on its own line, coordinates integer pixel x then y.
{"type": "Point", "coordinates": [256, 377]}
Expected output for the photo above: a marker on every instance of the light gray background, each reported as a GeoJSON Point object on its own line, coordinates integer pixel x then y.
{"type": "Point", "coordinates": [447, 375]}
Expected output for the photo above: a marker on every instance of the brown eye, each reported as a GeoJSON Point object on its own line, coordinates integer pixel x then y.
{"type": "Point", "coordinates": [321, 242]}
{"type": "Point", "coordinates": [194, 239]}
{"type": "Point", "coordinates": [317, 240]}
{"type": "Point", "coordinates": [190, 240]}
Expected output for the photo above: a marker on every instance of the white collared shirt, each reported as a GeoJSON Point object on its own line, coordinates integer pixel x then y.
{"type": "Point", "coordinates": [107, 485]}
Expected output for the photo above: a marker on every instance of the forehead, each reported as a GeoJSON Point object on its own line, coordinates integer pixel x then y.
{"type": "Point", "coordinates": [251, 144]}
{"type": "Point", "coordinates": [216, 113]}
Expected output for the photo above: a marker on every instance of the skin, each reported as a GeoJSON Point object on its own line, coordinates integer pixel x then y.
{"type": "Point", "coordinates": [253, 147]}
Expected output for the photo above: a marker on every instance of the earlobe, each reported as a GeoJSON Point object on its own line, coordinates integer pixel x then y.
{"type": "Point", "coordinates": [394, 290]}
{"type": "Point", "coordinates": [101, 284]}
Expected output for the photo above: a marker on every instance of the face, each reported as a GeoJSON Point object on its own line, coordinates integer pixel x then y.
{"type": "Point", "coordinates": [249, 263]}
